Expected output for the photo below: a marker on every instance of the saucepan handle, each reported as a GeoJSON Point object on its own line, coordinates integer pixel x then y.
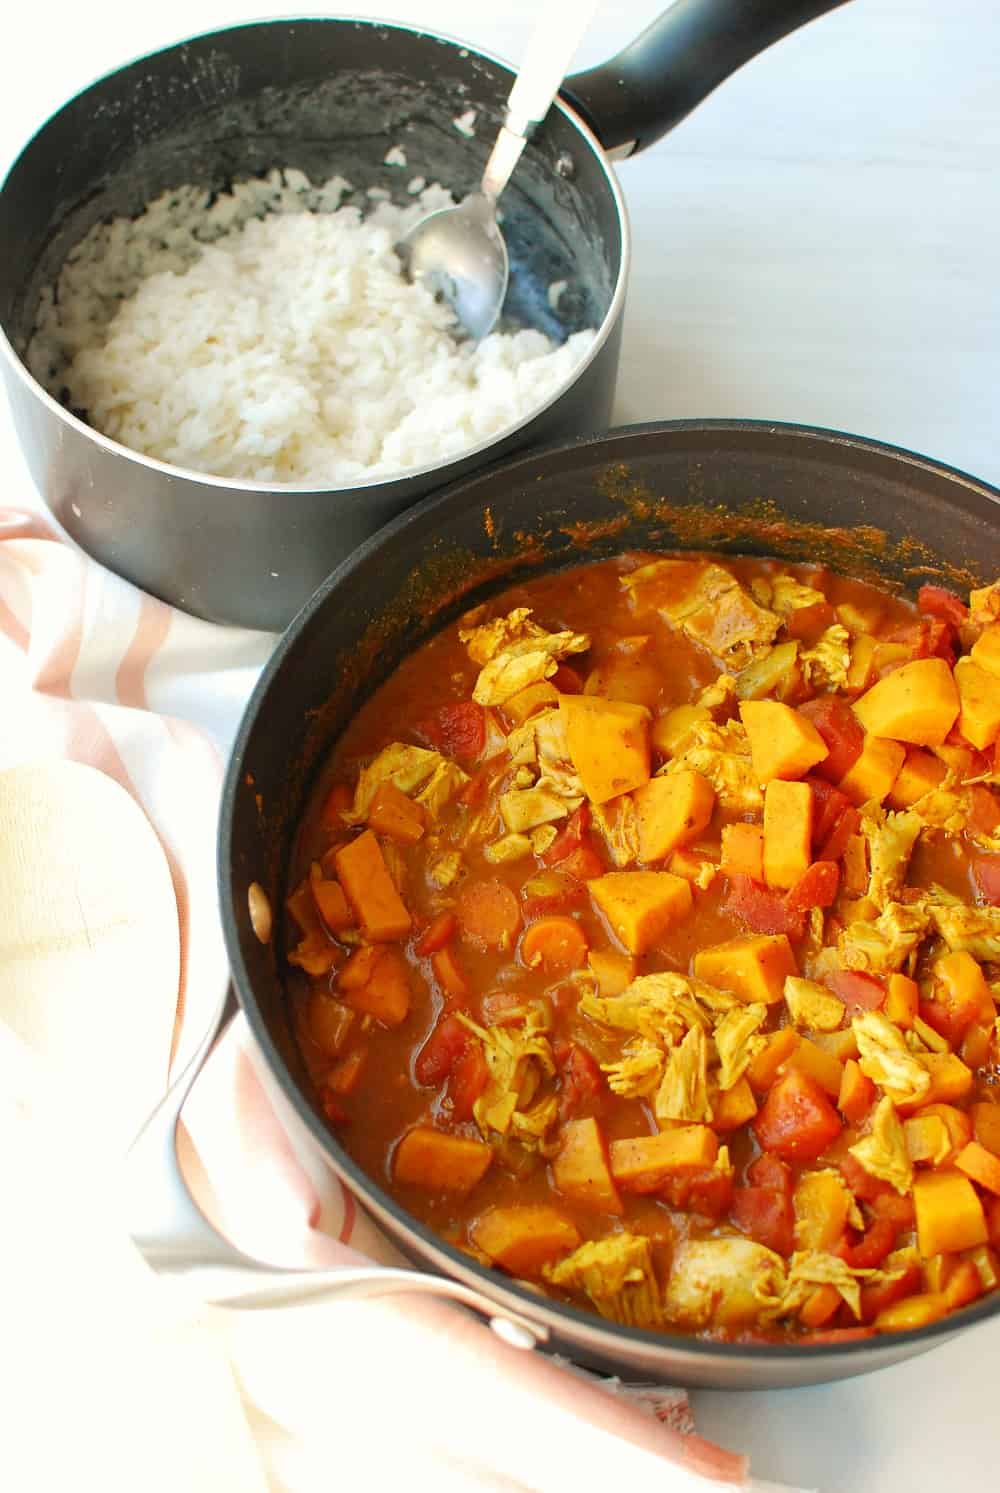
{"type": "Point", "coordinates": [685, 54]}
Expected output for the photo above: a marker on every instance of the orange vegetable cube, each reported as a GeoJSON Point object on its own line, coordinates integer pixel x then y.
{"type": "Point", "coordinates": [670, 729]}
{"type": "Point", "coordinates": [949, 1214]}
{"type": "Point", "coordinates": [441, 1163]}
{"type": "Point", "coordinates": [920, 773]}
{"type": "Point", "coordinates": [371, 891]}
{"type": "Point", "coordinates": [764, 1065]}
{"type": "Point", "coordinates": [743, 850]}
{"type": "Point", "coordinates": [960, 988]}
{"type": "Point", "coordinates": [986, 1125]}
{"type": "Point", "coordinates": [821, 1065]}
{"type": "Point", "coordinates": [951, 1079]}
{"type": "Point", "coordinates": [874, 772]}
{"type": "Point", "coordinates": [819, 1306]}
{"type": "Point", "coordinates": [754, 967]}
{"type": "Point", "coordinates": [917, 703]}
{"type": "Point", "coordinates": [902, 1000]}
{"type": "Point", "coordinates": [783, 744]}
{"type": "Point", "coordinates": [580, 1168]}
{"type": "Point", "coordinates": [985, 651]}
{"type": "Point", "coordinates": [642, 1164]}
{"type": "Point", "coordinates": [733, 1107]}
{"type": "Point", "coordinates": [788, 819]}
{"type": "Point", "coordinates": [392, 813]}
{"type": "Point", "coordinates": [912, 1312]}
{"type": "Point", "coordinates": [696, 868]}
{"type": "Point", "coordinates": [527, 701]}
{"type": "Point", "coordinates": [385, 994]}
{"type": "Point", "coordinates": [979, 716]}
{"type": "Point", "coordinates": [857, 1093]}
{"type": "Point", "coordinates": [669, 811]}
{"type": "Point", "coordinates": [614, 972]}
{"type": "Point", "coordinates": [964, 1285]}
{"type": "Point", "coordinates": [981, 1165]}
{"type": "Point", "coordinates": [640, 906]}
{"type": "Point", "coordinates": [330, 901]}
{"type": "Point", "coordinates": [821, 1203]}
{"type": "Point", "coordinates": [524, 1237]}
{"type": "Point", "coordinates": [608, 744]}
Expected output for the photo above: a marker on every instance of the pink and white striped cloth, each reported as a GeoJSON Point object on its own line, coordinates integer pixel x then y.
{"type": "Point", "coordinates": [93, 670]}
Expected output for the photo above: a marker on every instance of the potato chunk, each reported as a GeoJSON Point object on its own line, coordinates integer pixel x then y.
{"type": "Point", "coordinates": [979, 693]}
{"type": "Point", "coordinates": [670, 811]}
{"type": "Point", "coordinates": [608, 744]}
{"type": "Point", "coordinates": [917, 703]}
{"type": "Point", "coordinates": [523, 1238]}
{"type": "Point", "coordinates": [788, 818]}
{"type": "Point", "coordinates": [643, 1163]}
{"type": "Point", "coordinates": [783, 744]}
{"type": "Point", "coordinates": [754, 968]}
{"type": "Point", "coordinates": [640, 905]}
{"type": "Point", "coordinates": [580, 1168]}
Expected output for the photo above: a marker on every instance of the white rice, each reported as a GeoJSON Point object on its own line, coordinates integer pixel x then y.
{"type": "Point", "coordinates": [271, 336]}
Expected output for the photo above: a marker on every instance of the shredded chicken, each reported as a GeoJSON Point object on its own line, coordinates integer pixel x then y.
{"type": "Point", "coordinates": [660, 1007]}
{"type": "Point", "coordinates": [617, 1274]}
{"type": "Point", "coordinates": [968, 930]}
{"type": "Point", "coordinates": [722, 755]}
{"type": "Point", "coordinates": [810, 1268]}
{"type": "Point", "coordinates": [891, 838]}
{"type": "Point", "coordinates": [639, 1070]}
{"type": "Point", "coordinates": [408, 767]}
{"type": "Point", "coordinates": [883, 1151]}
{"type": "Point", "coordinates": [708, 604]}
{"type": "Point", "coordinates": [617, 823]}
{"type": "Point", "coordinates": [885, 1058]}
{"type": "Point", "coordinates": [517, 1058]}
{"type": "Point", "coordinates": [445, 870]}
{"type": "Point", "coordinates": [736, 1042]}
{"type": "Point", "coordinates": [683, 1091]}
{"type": "Point", "coordinates": [514, 652]}
{"type": "Point", "coordinates": [784, 593]}
{"type": "Point", "coordinates": [825, 664]}
{"type": "Point", "coordinates": [811, 1006]}
{"type": "Point", "coordinates": [511, 848]}
{"type": "Point", "coordinates": [723, 1283]}
{"type": "Point", "coordinates": [526, 808]}
{"type": "Point", "coordinates": [444, 782]}
{"type": "Point", "coordinates": [885, 945]}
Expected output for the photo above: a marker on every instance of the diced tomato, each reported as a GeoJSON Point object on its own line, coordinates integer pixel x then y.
{"type": "Point", "coordinates": [439, 931]}
{"type": "Point", "coordinates": [808, 622]}
{"type": "Point", "coordinates": [828, 805]}
{"type": "Point", "coordinates": [836, 843]}
{"type": "Point", "coordinates": [876, 1298]}
{"type": "Point", "coordinates": [865, 1187]}
{"type": "Point", "coordinates": [840, 729]}
{"type": "Point", "coordinates": [566, 680]}
{"type": "Point", "coordinates": [570, 837]}
{"type": "Point", "coordinates": [760, 908]}
{"type": "Point", "coordinates": [770, 1171]}
{"type": "Point", "coordinates": [858, 992]}
{"type": "Point", "coordinates": [986, 873]}
{"type": "Point", "coordinates": [442, 1050]}
{"type": "Point", "coordinates": [458, 730]}
{"type": "Point", "coordinates": [984, 810]}
{"type": "Point", "coordinates": [817, 888]}
{"type": "Point", "coordinates": [797, 1121]}
{"type": "Point", "coordinates": [766, 1215]}
{"type": "Point", "coordinates": [478, 786]}
{"type": "Point", "coordinates": [708, 1192]}
{"type": "Point", "coordinates": [551, 891]}
{"type": "Point", "coordinates": [938, 601]}
{"type": "Point", "coordinates": [580, 1080]}
{"type": "Point", "coordinates": [468, 1079]}
{"type": "Point", "coordinates": [871, 1250]}
{"type": "Point", "coordinates": [583, 864]}
{"type": "Point", "coordinates": [833, 1335]}
{"type": "Point", "coordinates": [898, 1210]}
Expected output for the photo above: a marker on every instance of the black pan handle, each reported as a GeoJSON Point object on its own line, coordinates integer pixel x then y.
{"type": "Point", "coordinates": [687, 52]}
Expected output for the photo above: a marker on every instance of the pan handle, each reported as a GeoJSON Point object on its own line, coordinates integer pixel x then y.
{"type": "Point", "coordinates": [640, 94]}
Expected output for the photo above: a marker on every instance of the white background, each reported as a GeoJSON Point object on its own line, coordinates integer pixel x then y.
{"type": "Point", "coordinates": [820, 242]}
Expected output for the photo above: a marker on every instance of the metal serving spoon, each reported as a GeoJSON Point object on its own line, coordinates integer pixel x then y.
{"type": "Point", "coordinates": [459, 252]}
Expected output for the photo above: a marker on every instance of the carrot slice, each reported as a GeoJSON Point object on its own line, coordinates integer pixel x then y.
{"type": "Point", "coordinates": [556, 944]}
{"type": "Point", "coordinates": [488, 913]}
{"type": "Point", "coordinates": [449, 974]}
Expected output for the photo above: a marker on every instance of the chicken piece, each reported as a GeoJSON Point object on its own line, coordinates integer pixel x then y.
{"type": "Point", "coordinates": [883, 1151]}
{"type": "Point", "coordinates": [723, 1283]}
{"type": "Point", "coordinates": [445, 870]}
{"type": "Point", "coordinates": [511, 848]}
{"type": "Point", "coordinates": [825, 664]}
{"type": "Point", "coordinates": [968, 930]}
{"type": "Point", "coordinates": [891, 838]}
{"type": "Point", "coordinates": [882, 947]}
{"type": "Point", "coordinates": [444, 782]}
{"type": "Point", "coordinates": [722, 755]}
{"type": "Point", "coordinates": [811, 1006]}
{"type": "Point", "coordinates": [661, 1007]}
{"type": "Point", "coordinates": [784, 593]}
{"type": "Point", "coordinates": [408, 767]}
{"type": "Point", "coordinates": [708, 604]}
{"type": "Point", "coordinates": [638, 1072]}
{"type": "Point", "coordinates": [526, 808]}
{"type": "Point", "coordinates": [683, 1091]}
{"type": "Point", "coordinates": [514, 652]}
{"type": "Point", "coordinates": [736, 1042]}
{"type": "Point", "coordinates": [518, 1058]}
{"type": "Point", "coordinates": [810, 1268]}
{"type": "Point", "coordinates": [618, 825]}
{"type": "Point", "coordinates": [533, 1125]}
{"type": "Point", "coordinates": [884, 1057]}
{"type": "Point", "coordinates": [617, 1275]}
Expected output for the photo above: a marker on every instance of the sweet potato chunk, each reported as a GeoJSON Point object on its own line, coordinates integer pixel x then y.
{"type": "Point", "coordinates": [392, 813]}
{"type": "Point", "coordinates": [733, 1107]}
{"type": "Point", "coordinates": [743, 851]}
{"type": "Point", "coordinates": [441, 1163]}
{"type": "Point", "coordinates": [874, 773]}
{"type": "Point", "coordinates": [670, 811]}
{"type": "Point", "coordinates": [523, 1238]}
{"type": "Point", "coordinates": [612, 971]}
{"type": "Point", "coordinates": [788, 819]}
{"type": "Point", "coordinates": [981, 1165]}
{"type": "Point", "coordinates": [754, 967]}
{"type": "Point", "coordinates": [643, 1163]}
{"type": "Point", "coordinates": [822, 1203]}
{"type": "Point", "coordinates": [917, 703]}
{"type": "Point", "coordinates": [580, 1168]}
{"type": "Point", "coordinates": [371, 891]}
{"type": "Point", "coordinates": [985, 651]}
{"type": "Point", "coordinates": [949, 1214]}
{"type": "Point", "coordinates": [902, 1000]}
{"type": "Point", "coordinates": [986, 1125]}
{"type": "Point", "coordinates": [640, 905]}
{"type": "Point", "coordinates": [919, 774]}
{"type": "Point", "coordinates": [384, 992]}
{"type": "Point", "coordinates": [783, 744]}
{"type": "Point", "coordinates": [608, 744]}
{"type": "Point", "coordinates": [979, 694]}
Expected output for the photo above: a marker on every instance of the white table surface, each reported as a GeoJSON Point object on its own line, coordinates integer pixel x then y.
{"type": "Point", "coordinates": [819, 242]}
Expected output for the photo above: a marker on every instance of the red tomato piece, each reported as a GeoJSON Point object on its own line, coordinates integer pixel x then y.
{"type": "Point", "coordinates": [841, 731]}
{"type": "Point", "coordinates": [708, 1193]}
{"type": "Point", "coordinates": [570, 837]}
{"type": "Point", "coordinates": [468, 1079]}
{"type": "Point", "coordinates": [584, 864]}
{"type": "Point", "coordinates": [865, 1187]}
{"type": "Point", "coordinates": [442, 1050]}
{"type": "Point", "coordinates": [817, 888]}
{"type": "Point", "coordinates": [836, 1335]}
{"type": "Point", "coordinates": [808, 622]}
{"type": "Point", "coordinates": [828, 805]}
{"type": "Point", "coordinates": [938, 601]}
{"type": "Point", "coordinates": [439, 931]}
{"type": "Point", "coordinates": [858, 992]}
{"type": "Point", "coordinates": [458, 730]}
{"type": "Point", "coordinates": [580, 1080]}
{"type": "Point", "coordinates": [986, 873]}
{"type": "Point", "coordinates": [871, 1250]}
{"type": "Point", "coordinates": [928, 638]}
{"type": "Point", "coordinates": [566, 680]}
{"type": "Point", "coordinates": [760, 908]}
{"type": "Point", "coordinates": [876, 1298]}
{"type": "Point", "coordinates": [836, 843]}
{"type": "Point", "coordinates": [797, 1121]}
{"type": "Point", "coordinates": [766, 1215]}
{"type": "Point", "coordinates": [770, 1171]}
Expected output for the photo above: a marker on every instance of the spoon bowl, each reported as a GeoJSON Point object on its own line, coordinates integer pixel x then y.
{"type": "Point", "coordinates": [459, 254]}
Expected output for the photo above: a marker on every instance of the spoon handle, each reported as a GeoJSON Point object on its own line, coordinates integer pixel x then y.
{"type": "Point", "coordinates": [549, 53]}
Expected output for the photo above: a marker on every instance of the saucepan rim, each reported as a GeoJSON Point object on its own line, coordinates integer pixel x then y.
{"type": "Point", "coordinates": [615, 1341]}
